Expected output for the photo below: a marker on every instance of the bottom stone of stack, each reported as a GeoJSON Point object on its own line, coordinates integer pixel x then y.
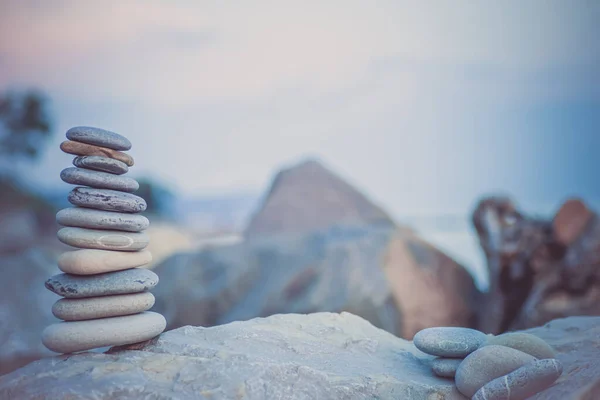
{"type": "Point", "coordinates": [69, 337]}
{"type": "Point", "coordinates": [102, 307]}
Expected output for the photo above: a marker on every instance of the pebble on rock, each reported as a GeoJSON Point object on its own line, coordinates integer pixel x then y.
{"type": "Point", "coordinates": [105, 199]}
{"type": "Point", "coordinates": [449, 342]}
{"type": "Point", "coordinates": [84, 149]}
{"type": "Point", "coordinates": [522, 383]}
{"type": "Point", "coordinates": [98, 219]}
{"type": "Point", "coordinates": [525, 342]}
{"type": "Point", "coordinates": [98, 137]}
{"type": "Point", "coordinates": [103, 164]}
{"type": "Point", "coordinates": [91, 261]}
{"type": "Point", "coordinates": [133, 280]}
{"type": "Point", "coordinates": [103, 239]}
{"type": "Point", "coordinates": [73, 336]}
{"type": "Point", "coordinates": [102, 307]}
{"type": "Point", "coordinates": [487, 364]}
{"type": "Point", "coordinates": [445, 367]}
{"type": "Point", "coordinates": [99, 180]}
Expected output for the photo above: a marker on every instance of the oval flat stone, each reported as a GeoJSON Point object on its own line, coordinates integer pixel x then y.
{"type": "Point", "coordinates": [72, 336]}
{"type": "Point", "coordinates": [133, 280]}
{"type": "Point", "coordinates": [84, 149]}
{"type": "Point", "coordinates": [98, 219]}
{"type": "Point", "coordinates": [98, 137]}
{"type": "Point", "coordinates": [103, 239]}
{"type": "Point", "coordinates": [448, 342]}
{"type": "Point", "coordinates": [445, 367]}
{"type": "Point", "coordinates": [102, 307]}
{"type": "Point", "coordinates": [524, 342]}
{"type": "Point", "coordinates": [487, 364]}
{"type": "Point", "coordinates": [99, 180]}
{"type": "Point", "coordinates": [522, 383]}
{"type": "Point", "coordinates": [103, 164]}
{"type": "Point", "coordinates": [90, 261]}
{"type": "Point", "coordinates": [107, 200]}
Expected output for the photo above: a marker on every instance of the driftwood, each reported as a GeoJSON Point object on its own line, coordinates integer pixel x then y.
{"type": "Point", "coordinates": [539, 269]}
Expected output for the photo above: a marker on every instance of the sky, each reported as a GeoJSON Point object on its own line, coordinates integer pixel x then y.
{"type": "Point", "coordinates": [425, 106]}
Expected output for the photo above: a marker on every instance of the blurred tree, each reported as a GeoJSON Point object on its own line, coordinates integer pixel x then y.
{"type": "Point", "coordinates": [158, 198]}
{"type": "Point", "coordinates": [24, 124]}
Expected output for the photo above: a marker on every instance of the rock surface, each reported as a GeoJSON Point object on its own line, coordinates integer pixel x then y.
{"type": "Point", "coordinates": [318, 356]}
{"type": "Point", "coordinates": [103, 164]}
{"type": "Point", "coordinates": [99, 180]}
{"type": "Point", "coordinates": [103, 239]}
{"type": "Point", "coordinates": [308, 197]}
{"type": "Point", "coordinates": [524, 342]}
{"type": "Point", "coordinates": [92, 261]}
{"type": "Point", "coordinates": [445, 367]}
{"type": "Point", "coordinates": [73, 336]}
{"type": "Point", "coordinates": [84, 149]}
{"type": "Point", "coordinates": [121, 282]}
{"type": "Point", "coordinates": [449, 342]}
{"type": "Point", "coordinates": [98, 219]}
{"type": "Point", "coordinates": [102, 307]}
{"type": "Point", "coordinates": [107, 200]}
{"type": "Point", "coordinates": [99, 137]}
{"type": "Point", "coordinates": [286, 356]}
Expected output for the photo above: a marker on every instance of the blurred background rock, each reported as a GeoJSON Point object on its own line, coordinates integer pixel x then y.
{"type": "Point", "coordinates": [409, 163]}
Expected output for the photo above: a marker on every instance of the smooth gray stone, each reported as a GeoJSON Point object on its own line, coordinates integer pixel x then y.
{"type": "Point", "coordinates": [487, 364]}
{"type": "Point", "coordinates": [524, 342]}
{"type": "Point", "coordinates": [102, 307]}
{"type": "Point", "coordinates": [523, 382]}
{"type": "Point", "coordinates": [103, 239]}
{"type": "Point", "coordinates": [98, 137]}
{"type": "Point", "coordinates": [71, 286]}
{"type": "Point", "coordinates": [98, 219]}
{"type": "Point", "coordinates": [445, 367]}
{"type": "Point", "coordinates": [72, 336]}
{"type": "Point", "coordinates": [104, 164]}
{"type": "Point", "coordinates": [98, 180]}
{"type": "Point", "coordinates": [105, 199]}
{"type": "Point", "coordinates": [449, 342]}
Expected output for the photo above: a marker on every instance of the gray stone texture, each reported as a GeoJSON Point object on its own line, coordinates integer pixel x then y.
{"type": "Point", "coordinates": [98, 180]}
{"type": "Point", "coordinates": [99, 137]}
{"type": "Point", "coordinates": [104, 164]}
{"type": "Point", "coordinates": [522, 383]}
{"type": "Point", "coordinates": [102, 307]}
{"type": "Point", "coordinates": [487, 364]}
{"type": "Point", "coordinates": [111, 283]}
{"type": "Point", "coordinates": [103, 239]}
{"type": "Point", "coordinates": [98, 219]}
{"type": "Point", "coordinates": [452, 342]}
{"type": "Point", "coordinates": [525, 342]}
{"type": "Point", "coordinates": [445, 367]}
{"type": "Point", "coordinates": [108, 200]}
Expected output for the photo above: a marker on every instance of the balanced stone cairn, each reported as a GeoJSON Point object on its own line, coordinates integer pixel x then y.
{"type": "Point", "coordinates": [512, 366]}
{"type": "Point", "coordinates": [106, 298]}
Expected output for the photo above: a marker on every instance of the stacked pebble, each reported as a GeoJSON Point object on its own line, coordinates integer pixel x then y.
{"type": "Point", "coordinates": [511, 366]}
{"type": "Point", "coordinates": [106, 298]}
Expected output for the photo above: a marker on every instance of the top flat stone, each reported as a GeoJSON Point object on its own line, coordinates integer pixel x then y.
{"type": "Point", "coordinates": [98, 137]}
{"type": "Point", "coordinates": [449, 341]}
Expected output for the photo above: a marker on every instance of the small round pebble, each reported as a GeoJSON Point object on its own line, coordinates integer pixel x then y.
{"type": "Point", "coordinates": [73, 336]}
{"type": "Point", "coordinates": [98, 137]}
{"type": "Point", "coordinates": [102, 307]}
{"type": "Point", "coordinates": [133, 280]}
{"type": "Point", "coordinates": [522, 383]}
{"type": "Point", "coordinates": [99, 180]}
{"type": "Point", "coordinates": [103, 164]}
{"type": "Point", "coordinates": [91, 261]}
{"type": "Point", "coordinates": [448, 342]}
{"type": "Point", "coordinates": [487, 364]}
{"type": "Point", "coordinates": [445, 367]}
{"type": "Point", "coordinates": [103, 239]}
{"type": "Point", "coordinates": [98, 219]}
{"type": "Point", "coordinates": [525, 342]}
{"type": "Point", "coordinates": [84, 149]}
{"type": "Point", "coordinates": [105, 199]}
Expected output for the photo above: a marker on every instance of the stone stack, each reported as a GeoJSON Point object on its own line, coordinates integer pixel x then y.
{"type": "Point", "coordinates": [486, 367]}
{"type": "Point", "coordinates": [106, 298]}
